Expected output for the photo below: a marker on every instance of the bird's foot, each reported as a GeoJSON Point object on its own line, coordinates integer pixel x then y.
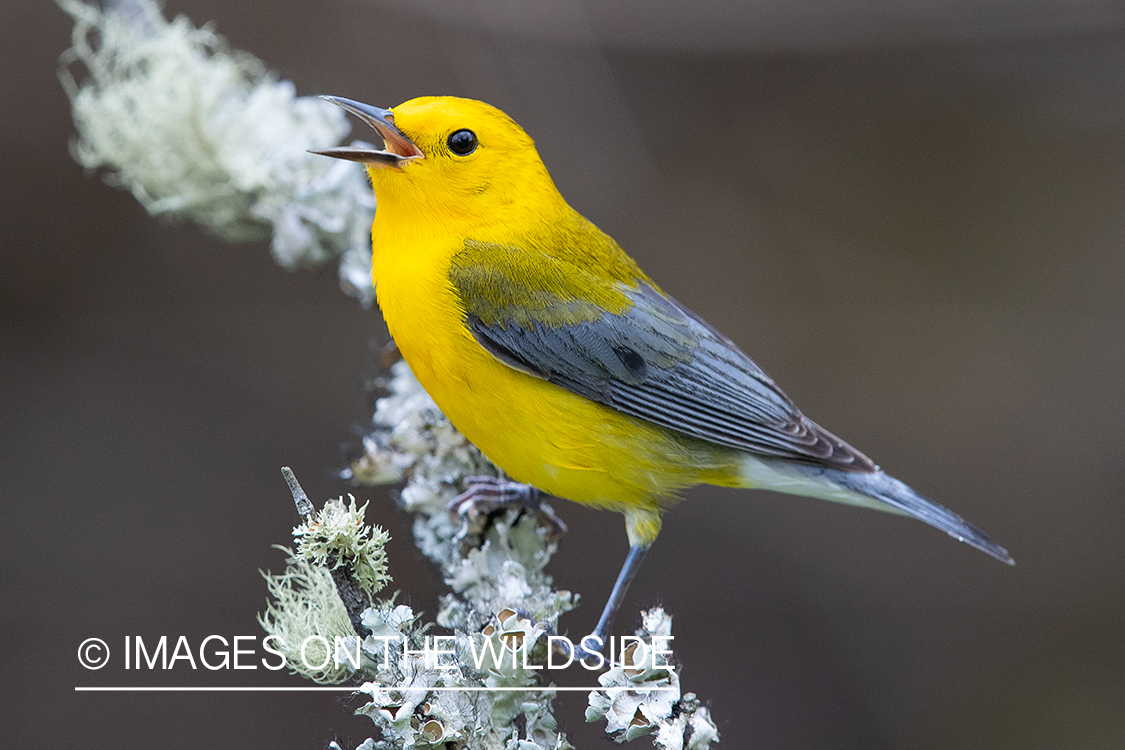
{"type": "Point", "coordinates": [485, 495]}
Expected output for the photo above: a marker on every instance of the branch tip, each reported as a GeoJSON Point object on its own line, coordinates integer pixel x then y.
{"type": "Point", "coordinates": [300, 499]}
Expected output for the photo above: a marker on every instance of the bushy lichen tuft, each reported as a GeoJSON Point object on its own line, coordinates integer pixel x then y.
{"type": "Point", "coordinates": [337, 537]}
{"type": "Point", "coordinates": [306, 617]}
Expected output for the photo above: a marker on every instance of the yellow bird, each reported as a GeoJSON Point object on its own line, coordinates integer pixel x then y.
{"type": "Point", "coordinates": [552, 351]}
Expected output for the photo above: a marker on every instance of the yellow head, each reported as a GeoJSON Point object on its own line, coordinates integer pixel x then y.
{"type": "Point", "coordinates": [462, 162]}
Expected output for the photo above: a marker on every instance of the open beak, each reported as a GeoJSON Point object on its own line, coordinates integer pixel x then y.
{"type": "Point", "coordinates": [398, 148]}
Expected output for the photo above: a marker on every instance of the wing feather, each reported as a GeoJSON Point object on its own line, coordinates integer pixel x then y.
{"type": "Point", "coordinates": [650, 358]}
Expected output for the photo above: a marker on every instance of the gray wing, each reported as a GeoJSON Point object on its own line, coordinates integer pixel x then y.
{"type": "Point", "coordinates": [656, 361]}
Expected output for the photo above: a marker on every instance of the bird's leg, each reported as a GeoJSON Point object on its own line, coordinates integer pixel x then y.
{"type": "Point", "coordinates": [593, 645]}
{"type": "Point", "coordinates": [624, 578]}
{"type": "Point", "coordinates": [485, 494]}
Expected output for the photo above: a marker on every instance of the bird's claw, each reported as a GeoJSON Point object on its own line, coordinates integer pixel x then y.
{"type": "Point", "coordinates": [484, 495]}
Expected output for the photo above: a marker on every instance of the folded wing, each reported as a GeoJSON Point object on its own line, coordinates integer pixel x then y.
{"type": "Point", "coordinates": [632, 348]}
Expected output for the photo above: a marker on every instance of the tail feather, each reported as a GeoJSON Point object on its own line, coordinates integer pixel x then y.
{"type": "Point", "coordinates": [868, 489]}
{"type": "Point", "coordinates": [900, 497]}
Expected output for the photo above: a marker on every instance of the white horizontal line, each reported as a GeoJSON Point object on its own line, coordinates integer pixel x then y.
{"type": "Point", "coordinates": [185, 689]}
{"type": "Point", "coordinates": [334, 688]}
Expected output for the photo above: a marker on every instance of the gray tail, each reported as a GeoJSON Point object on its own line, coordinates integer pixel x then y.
{"type": "Point", "coordinates": [894, 493]}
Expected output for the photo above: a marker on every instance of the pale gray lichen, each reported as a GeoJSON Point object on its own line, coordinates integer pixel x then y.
{"type": "Point", "coordinates": [195, 129]}
{"type": "Point", "coordinates": [420, 701]}
{"type": "Point", "coordinates": [642, 695]}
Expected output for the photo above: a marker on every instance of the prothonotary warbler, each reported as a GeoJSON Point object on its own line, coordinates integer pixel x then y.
{"type": "Point", "coordinates": [552, 351]}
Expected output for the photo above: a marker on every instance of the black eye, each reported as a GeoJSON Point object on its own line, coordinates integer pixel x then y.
{"type": "Point", "coordinates": [463, 142]}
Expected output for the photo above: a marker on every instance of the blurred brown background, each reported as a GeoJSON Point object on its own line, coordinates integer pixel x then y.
{"type": "Point", "coordinates": [912, 215]}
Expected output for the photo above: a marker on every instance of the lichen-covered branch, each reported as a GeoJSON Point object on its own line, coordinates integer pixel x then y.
{"type": "Point", "coordinates": [197, 130]}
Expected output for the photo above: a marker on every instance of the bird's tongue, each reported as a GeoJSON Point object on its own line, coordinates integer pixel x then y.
{"type": "Point", "coordinates": [396, 143]}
